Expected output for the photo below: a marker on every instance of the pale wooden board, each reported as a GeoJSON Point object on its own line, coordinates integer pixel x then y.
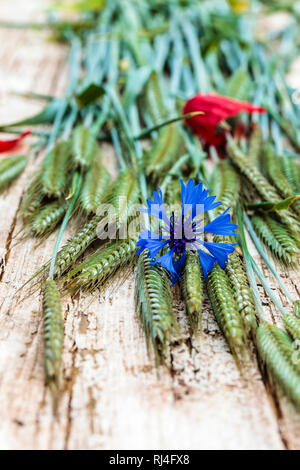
{"type": "Point", "coordinates": [112, 396]}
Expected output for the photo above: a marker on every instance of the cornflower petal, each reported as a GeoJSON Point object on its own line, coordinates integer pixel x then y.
{"type": "Point", "coordinates": [166, 261]}
{"type": "Point", "coordinates": [154, 246]}
{"type": "Point", "coordinates": [220, 251]}
{"type": "Point", "coordinates": [221, 225]}
{"type": "Point", "coordinates": [207, 262]}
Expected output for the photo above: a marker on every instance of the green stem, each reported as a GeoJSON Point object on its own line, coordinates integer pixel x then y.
{"type": "Point", "coordinates": [267, 288]}
{"type": "Point", "coordinates": [249, 266]}
{"type": "Point", "coordinates": [57, 124]}
{"type": "Point", "coordinates": [76, 186]}
{"type": "Point", "coordinates": [102, 116]}
{"type": "Point", "coordinates": [122, 117]}
{"type": "Point", "coordinates": [70, 123]}
{"type": "Point", "coordinates": [173, 171]}
{"type": "Point", "coordinates": [135, 126]}
{"type": "Point", "coordinates": [33, 95]}
{"type": "Point", "coordinates": [9, 130]}
{"type": "Point", "coordinates": [37, 146]}
{"type": "Point", "coordinates": [75, 64]}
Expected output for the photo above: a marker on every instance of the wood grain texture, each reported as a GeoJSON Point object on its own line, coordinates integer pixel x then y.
{"type": "Point", "coordinates": [112, 395]}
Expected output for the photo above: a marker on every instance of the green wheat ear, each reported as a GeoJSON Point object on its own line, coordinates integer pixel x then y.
{"type": "Point", "coordinates": [274, 172]}
{"type": "Point", "coordinates": [33, 199]}
{"type": "Point", "coordinates": [252, 173]}
{"type": "Point", "coordinates": [70, 252]}
{"type": "Point", "coordinates": [192, 289]}
{"type": "Point", "coordinates": [94, 188]}
{"type": "Point", "coordinates": [153, 98]}
{"type": "Point", "coordinates": [102, 266]}
{"type": "Point", "coordinates": [10, 169]}
{"type": "Point", "coordinates": [277, 238]}
{"type": "Point", "coordinates": [84, 144]}
{"type": "Point", "coordinates": [238, 85]}
{"type": "Point", "coordinates": [167, 147]}
{"type": "Point", "coordinates": [48, 218]}
{"type": "Point", "coordinates": [154, 306]}
{"type": "Point", "coordinates": [123, 194]}
{"type": "Point", "coordinates": [53, 338]}
{"type": "Point", "coordinates": [226, 311]}
{"type": "Point", "coordinates": [278, 354]}
{"type": "Point", "coordinates": [291, 171]}
{"type": "Point", "coordinates": [242, 293]}
{"type": "Point", "coordinates": [172, 193]}
{"type": "Point", "coordinates": [226, 186]}
{"type": "Point", "coordinates": [260, 183]}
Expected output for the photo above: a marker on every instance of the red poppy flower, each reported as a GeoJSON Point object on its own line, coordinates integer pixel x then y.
{"type": "Point", "coordinates": [216, 108]}
{"type": "Point", "coordinates": [7, 145]}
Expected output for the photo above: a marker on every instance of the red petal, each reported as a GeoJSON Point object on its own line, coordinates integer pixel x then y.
{"type": "Point", "coordinates": [7, 145]}
{"type": "Point", "coordinates": [216, 108]}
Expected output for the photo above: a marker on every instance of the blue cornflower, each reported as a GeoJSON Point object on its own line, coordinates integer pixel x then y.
{"type": "Point", "coordinates": [181, 230]}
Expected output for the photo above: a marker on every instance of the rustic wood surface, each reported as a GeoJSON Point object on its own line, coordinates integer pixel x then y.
{"type": "Point", "coordinates": [112, 395]}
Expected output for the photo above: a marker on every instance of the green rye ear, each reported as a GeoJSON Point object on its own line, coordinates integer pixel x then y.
{"type": "Point", "coordinates": [84, 145]}
{"type": "Point", "coordinates": [94, 188]}
{"type": "Point", "coordinates": [277, 178]}
{"type": "Point", "coordinates": [55, 174]}
{"type": "Point", "coordinates": [192, 289]}
{"type": "Point", "coordinates": [277, 238]}
{"type": "Point", "coordinates": [277, 352]}
{"type": "Point", "coordinates": [99, 268]}
{"type": "Point", "coordinates": [225, 184]}
{"type": "Point", "coordinates": [47, 219]}
{"type": "Point", "coordinates": [226, 312]}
